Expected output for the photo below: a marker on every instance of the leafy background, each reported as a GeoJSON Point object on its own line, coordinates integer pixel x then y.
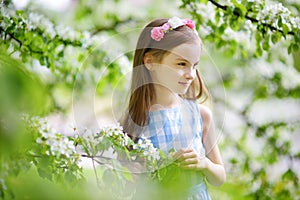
{"type": "Point", "coordinates": [71, 64]}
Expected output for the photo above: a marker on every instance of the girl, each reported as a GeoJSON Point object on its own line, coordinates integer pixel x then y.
{"type": "Point", "coordinates": [162, 107]}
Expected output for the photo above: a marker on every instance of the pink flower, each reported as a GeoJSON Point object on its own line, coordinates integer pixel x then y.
{"type": "Point", "coordinates": [189, 23]}
{"type": "Point", "coordinates": [157, 33]}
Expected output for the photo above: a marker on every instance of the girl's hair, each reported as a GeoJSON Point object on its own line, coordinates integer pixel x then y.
{"type": "Point", "coordinates": [142, 91]}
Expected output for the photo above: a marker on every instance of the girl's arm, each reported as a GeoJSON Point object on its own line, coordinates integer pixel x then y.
{"type": "Point", "coordinates": [211, 165]}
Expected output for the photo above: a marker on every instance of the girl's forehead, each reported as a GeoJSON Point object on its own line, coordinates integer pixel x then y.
{"type": "Point", "coordinates": [190, 52]}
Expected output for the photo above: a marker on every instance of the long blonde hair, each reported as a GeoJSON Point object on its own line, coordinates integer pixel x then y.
{"type": "Point", "coordinates": [142, 91]}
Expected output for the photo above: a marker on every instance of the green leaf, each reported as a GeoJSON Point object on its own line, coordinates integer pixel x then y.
{"type": "Point", "coordinates": [234, 23]}
{"type": "Point", "coordinates": [220, 43]}
{"type": "Point", "coordinates": [266, 45]}
{"type": "Point", "coordinates": [44, 167]}
{"type": "Point", "coordinates": [42, 60]}
{"type": "Point", "coordinates": [80, 57]}
{"type": "Point", "coordinates": [222, 28]}
{"type": "Point", "coordinates": [161, 173]}
{"type": "Point", "coordinates": [217, 16]}
{"type": "Point", "coordinates": [285, 29]}
{"type": "Point", "coordinates": [203, 1]}
{"type": "Point", "coordinates": [70, 176]}
{"type": "Point", "coordinates": [249, 5]}
{"type": "Point", "coordinates": [258, 37]}
{"type": "Point", "coordinates": [105, 144]}
{"type": "Point", "coordinates": [127, 174]}
{"type": "Point", "coordinates": [275, 37]}
{"type": "Point", "coordinates": [295, 47]}
{"type": "Point", "coordinates": [258, 51]}
{"type": "Point", "coordinates": [279, 21]}
{"type": "Point", "coordinates": [20, 12]}
{"type": "Point", "coordinates": [45, 174]}
{"type": "Point", "coordinates": [290, 48]}
{"type": "Point", "coordinates": [297, 37]}
{"type": "Point", "coordinates": [240, 10]}
{"type": "Point", "coordinates": [289, 175]}
{"type": "Point", "coordinates": [61, 54]}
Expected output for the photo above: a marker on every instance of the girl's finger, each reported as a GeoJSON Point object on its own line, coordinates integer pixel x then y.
{"type": "Point", "coordinates": [185, 156]}
{"type": "Point", "coordinates": [189, 161]}
{"type": "Point", "coordinates": [177, 154]}
{"type": "Point", "coordinates": [190, 166]}
{"type": "Point", "coordinates": [187, 150]}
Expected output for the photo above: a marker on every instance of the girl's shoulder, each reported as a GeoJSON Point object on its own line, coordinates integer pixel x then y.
{"type": "Point", "coordinates": [205, 111]}
{"type": "Point", "coordinates": [206, 114]}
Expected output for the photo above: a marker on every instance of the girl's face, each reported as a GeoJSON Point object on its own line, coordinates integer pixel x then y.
{"type": "Point", "coordinates": [177, 69]}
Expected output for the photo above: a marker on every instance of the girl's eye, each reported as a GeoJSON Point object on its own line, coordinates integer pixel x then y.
{"type": "Point", "coordinates": [182, 64]}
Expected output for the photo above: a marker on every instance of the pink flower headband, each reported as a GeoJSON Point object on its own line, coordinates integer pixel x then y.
{"type": "Point", "coordinates": [157, 33]}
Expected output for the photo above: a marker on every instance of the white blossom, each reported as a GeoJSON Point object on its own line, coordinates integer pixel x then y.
{"type": "Point", "coordinates": [126, 140]}
{"type": "Point", "coordinates": [175, 22]}
{"type": "Point", "coordinates": [272, 13]}
{"type": "Point", "coordinates": [59, 144]}
{"type": "Point", "coordinates": [66, 32]}
{"type": "Point", "coordinates": [112, 130]}
{"type": "Point", "coordinates": [255, 1]}
{"type": "Point", "coordinates": [147, 148]}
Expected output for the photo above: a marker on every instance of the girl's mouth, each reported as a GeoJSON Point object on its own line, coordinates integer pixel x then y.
{"type": "Point", "coordinates": [184, 83]}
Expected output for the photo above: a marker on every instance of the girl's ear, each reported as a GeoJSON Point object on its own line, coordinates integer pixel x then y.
{"type": "Point", "coordinates": [148, 61]}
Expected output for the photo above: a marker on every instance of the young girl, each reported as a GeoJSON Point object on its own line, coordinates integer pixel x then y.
{"type": "Point", "coordinates": [163, 102]}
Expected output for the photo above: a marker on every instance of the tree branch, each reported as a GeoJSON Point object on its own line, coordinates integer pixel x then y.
{"type": "Point", "coordinates": [19, 41]}
{"type": "Point", "coordinates": [218, 5]}
{"type": "Point", "coordinates": [253, 20]}
{"type": "Point", "coordinates": [111, 27]}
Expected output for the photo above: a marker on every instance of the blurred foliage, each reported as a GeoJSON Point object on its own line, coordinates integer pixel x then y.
{"type": "Point", "coordinates": [46, 55]}
{"type": "Point", "coordinates": [20, 92]}
{"type": "Point", "coordinates": [20, 89]}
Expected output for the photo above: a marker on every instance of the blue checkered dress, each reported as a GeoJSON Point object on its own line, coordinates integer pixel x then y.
{"type": "Point", "coordinates": [176, 128]}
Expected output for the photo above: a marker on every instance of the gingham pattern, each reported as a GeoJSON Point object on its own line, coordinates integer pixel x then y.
{"type": "Point", "coordinates": [199, 192]}
{"type": "Point", "coordinates": [176, 128]}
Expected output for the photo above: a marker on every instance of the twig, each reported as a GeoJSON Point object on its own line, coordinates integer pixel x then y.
{"type": "Point", "coordinates": [111, 27]}
{"type": "Point", "coordinates": [96, 175]}
{"type": "Point", "coordinates": [34, 155]}
{"type": "Point", "coordinates": [98, 161]}
{"type": "Point", "coordinates": [100, 156]}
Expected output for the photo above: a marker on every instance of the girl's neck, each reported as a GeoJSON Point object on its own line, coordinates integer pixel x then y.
{"type": "Point", "coordinates": [165, 99]}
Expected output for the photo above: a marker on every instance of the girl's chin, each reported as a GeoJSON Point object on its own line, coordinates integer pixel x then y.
{"type": "Point", "coordinates": [181, 92]}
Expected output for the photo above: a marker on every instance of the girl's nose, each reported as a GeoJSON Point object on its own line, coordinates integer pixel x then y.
{"type": "Point", "coordinates": [190, 74]}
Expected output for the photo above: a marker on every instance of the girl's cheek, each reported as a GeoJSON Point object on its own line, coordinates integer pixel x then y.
{"type": "Point", "coordinates": [180, 72]}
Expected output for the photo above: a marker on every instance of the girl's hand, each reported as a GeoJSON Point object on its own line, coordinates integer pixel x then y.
{"type": "Point", "coordinates": [189, 159]}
